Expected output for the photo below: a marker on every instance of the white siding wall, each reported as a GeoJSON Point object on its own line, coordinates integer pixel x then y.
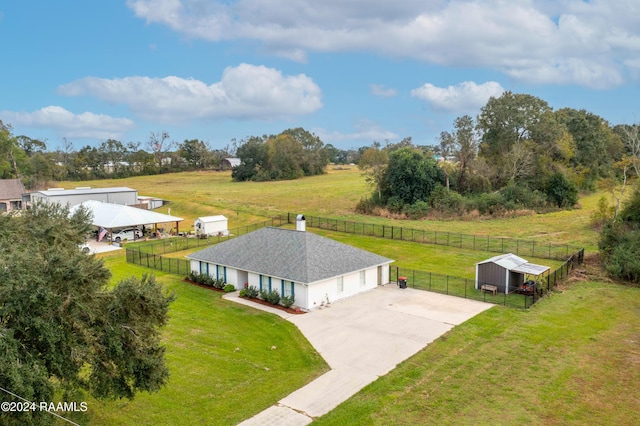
{"type": "Point", "coordinates": [319, 291]}
{"type": "Point", "coordinates": [307, 297]}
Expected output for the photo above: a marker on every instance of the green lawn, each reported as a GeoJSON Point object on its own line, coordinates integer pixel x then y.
{"type": "Point", "coordinates": [571, 359]}
{"type": "Point", "coordinates": [223, 368]}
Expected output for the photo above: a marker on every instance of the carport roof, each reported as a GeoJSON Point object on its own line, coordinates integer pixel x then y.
{"type": "Point", "coordinates": [112, 216]}
{"type": "Point", "coordinates": [516, 264]}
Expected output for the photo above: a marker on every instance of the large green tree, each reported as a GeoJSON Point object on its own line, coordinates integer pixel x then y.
{"type": "Point", "coordinates": [61, 327]}
{"type": "Point", "coordinates": [508, 125]}
{"type": "Point", "coordinates": [196, 153]}
{"type": "Point", "coordinates": [314, 157]}
{"type": "Point", "coordinates": [252, 153]}
{"type": "Point", "coordinates": [597, 147]}
{"type": "Point", "coordinates": [410, 176]}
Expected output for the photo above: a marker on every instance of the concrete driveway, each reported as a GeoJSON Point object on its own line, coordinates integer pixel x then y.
{"type": "Point", "coordinates": [362, 338]}
{"type": "Point", "coordinates": [96, 247]}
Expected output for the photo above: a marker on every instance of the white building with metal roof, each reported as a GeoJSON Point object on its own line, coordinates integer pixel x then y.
{"type": "Point", "coordinates": [116, 195]}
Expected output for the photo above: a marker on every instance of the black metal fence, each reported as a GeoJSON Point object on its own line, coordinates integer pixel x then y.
{"type": "Point", "coordinates": [150, 254]}
{"type": "Point", "coordinates": [172, 245]}
{"type": "Point", "coordinates": [171, 265]}
{"type": "Point", "coordinates": [529, 248]}
{"type": "Point", "coordinates": [466, 287]}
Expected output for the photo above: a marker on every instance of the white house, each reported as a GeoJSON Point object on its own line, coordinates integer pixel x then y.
{"type": "Point", "coordinates": [312, 268]}
{"type": "Point", "coordinates": [211, 225]}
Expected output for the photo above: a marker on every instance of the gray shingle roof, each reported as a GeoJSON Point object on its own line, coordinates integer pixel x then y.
{"type": "Point", "coordinates": [297, 256]}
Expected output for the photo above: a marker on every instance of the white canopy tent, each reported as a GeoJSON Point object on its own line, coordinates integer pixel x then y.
{"type": "Point", "coordinates": [116, 216]}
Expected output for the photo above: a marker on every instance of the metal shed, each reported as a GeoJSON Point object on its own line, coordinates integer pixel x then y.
{"type": "Point", "coordinates": [506, 272]}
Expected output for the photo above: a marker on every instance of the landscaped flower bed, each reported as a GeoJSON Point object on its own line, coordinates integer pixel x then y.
{"type": "Point", "coordinates": [270, 298]}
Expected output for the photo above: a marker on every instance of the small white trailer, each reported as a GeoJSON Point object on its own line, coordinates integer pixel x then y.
{"type": "Point", "coordinates": [211, 225]}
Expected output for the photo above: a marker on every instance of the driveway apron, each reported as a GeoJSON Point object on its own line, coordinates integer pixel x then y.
{"type": "Point", "coordinates": [362, 338]}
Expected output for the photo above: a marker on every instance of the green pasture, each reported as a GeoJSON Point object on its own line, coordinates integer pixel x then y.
{"type": "Point", "coordinates": [227, 361]}
{"type": "Point", "coordinates": [334, 194]}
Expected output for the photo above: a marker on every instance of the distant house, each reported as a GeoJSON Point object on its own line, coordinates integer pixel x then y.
{"type": "Point", "coordinates": [229, 163]}
{"type": "Point", "coordinates": [313, 269]}
{"type": "Point", "coordinates": [71, 197]}
{"type": "Point", "coordinates": [11, 191]}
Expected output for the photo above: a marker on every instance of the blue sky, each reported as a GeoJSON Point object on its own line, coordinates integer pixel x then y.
{"type": "Point", "coordinates": [351, 71]}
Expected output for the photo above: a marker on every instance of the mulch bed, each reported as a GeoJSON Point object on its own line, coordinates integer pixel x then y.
{"type": "Point", "coordinates": [271, 305]}
{"type": "Point", "coordinates": [258, 301]}
{"type": "Point", "coordinates": [219, 290]}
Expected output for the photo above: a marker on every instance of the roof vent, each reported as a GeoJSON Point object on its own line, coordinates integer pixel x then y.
{"type": "Point", "coordinates": [301, 223]}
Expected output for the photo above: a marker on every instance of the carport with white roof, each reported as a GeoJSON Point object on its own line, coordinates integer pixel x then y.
{"type": "Point", "coordinates": [116, 216]}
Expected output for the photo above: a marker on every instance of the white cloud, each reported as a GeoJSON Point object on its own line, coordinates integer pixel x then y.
{"type": "Point", "coordinates": [568, 42]}
{"type": "Point", "coordinates": [68, 124]}
{"type": "Point", "coordinates": [244, 92]}
{"type": "Point", "coordinates": [384, 92]}
{"type": "Point", "coordinates": [463, 98]}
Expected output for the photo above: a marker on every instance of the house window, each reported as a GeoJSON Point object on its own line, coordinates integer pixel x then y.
{"type": "Point", "coordinates": [287, 288]}
{"type": "Point", "coordinates": [221, 272]}
{"type": "Point", "coordinates": [363, 278]}
{"type": "Point", "coordinates": [340, 284]}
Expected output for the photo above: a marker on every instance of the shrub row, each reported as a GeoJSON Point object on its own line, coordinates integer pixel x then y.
{"type": "Point", "coordinates": [450, 203]}
{"type": "Point", "coordinates": [272, 296]}
{"type": "Point", "coordinates": [209, 281]}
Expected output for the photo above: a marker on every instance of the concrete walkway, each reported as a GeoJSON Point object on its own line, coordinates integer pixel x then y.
{"type": "Point", "coordinates": [362, 338]}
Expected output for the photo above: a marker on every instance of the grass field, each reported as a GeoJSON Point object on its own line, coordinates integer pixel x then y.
{"type": "Point", "coordinates": [334, 194]}
{"type": "Point", "coordinates": [222, 365]}
{"type": "Point", "coordinates": [571, 359]}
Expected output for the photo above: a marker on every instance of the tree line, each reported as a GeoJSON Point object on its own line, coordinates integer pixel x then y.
{"type": "Point", "coordinates": [288, 155]}
{"type": "Point", "coordinates": [518, 153]}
